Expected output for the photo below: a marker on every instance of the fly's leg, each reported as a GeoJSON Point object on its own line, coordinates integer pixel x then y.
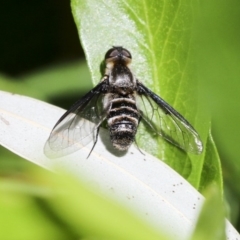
{"type": "Point", "coordinates": [94, 142]}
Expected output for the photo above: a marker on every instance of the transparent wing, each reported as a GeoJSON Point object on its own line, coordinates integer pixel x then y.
{"type": "Point", "coordinates": [78, 126]}
{"type": "Point", "coordinates": [167, 122]}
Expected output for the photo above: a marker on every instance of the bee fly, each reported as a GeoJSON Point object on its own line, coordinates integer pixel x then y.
{"type": "Point", "coordinates": [123, 101]}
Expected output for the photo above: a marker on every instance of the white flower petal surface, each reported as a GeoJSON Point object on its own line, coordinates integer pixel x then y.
{"type": "Point", "coordinates": [145, 185]}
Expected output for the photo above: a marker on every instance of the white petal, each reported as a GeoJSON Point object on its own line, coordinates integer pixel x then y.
{"type": "Point", "coordinates": [147, 186]}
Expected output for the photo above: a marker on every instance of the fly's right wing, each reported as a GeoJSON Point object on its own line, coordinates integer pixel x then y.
{"type": "Point", "coordinates": [167, 122]}
{"type": "Point", "coordinates": [78, 126]}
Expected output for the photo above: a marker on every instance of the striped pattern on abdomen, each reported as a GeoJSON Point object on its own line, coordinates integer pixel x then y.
{"type": "Point", "coordinates": [123, 119]}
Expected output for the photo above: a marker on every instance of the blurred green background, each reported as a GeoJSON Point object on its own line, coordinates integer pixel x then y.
{"type": "Point", "coordinates": [40, 56]}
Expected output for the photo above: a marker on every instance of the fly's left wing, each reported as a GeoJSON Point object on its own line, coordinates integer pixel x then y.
{"type": "Point", "coordinates": [78, 126]}
{"type": "Point", "coordinates": [167, 122]}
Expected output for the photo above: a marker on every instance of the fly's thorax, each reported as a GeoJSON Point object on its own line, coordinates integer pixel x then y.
{"type": "Point", "coordinates": [121, 79]}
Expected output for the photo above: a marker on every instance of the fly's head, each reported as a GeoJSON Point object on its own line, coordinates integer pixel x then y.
{"type": "Point", "coordinates": [117, 55]}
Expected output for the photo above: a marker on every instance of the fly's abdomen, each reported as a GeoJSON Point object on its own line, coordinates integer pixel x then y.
{"type": "Point", "coordinates": [123, 121]}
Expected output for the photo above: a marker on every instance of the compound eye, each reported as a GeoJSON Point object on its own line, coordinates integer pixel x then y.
{"type": "Point", "coordinates": [118, 54]}
{"type": "Point", "coordinates": [111, 53]}
{"type": "Point", "coordinates": [126, 53]}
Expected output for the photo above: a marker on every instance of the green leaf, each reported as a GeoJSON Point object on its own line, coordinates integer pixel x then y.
{"type": "Point", "coordinates": [211, 172]}
{"type": "Point", "coordinates": [211, 222]}
{"type": "Point", "coordinates": [95, 215]}
{"type": "Point", "coordinates": [21, 217]}
{"type": "Point", "coordinates": [65, 209]}
{"type": "Point", "coordinates": [217, 32]}
{"type": "Point", "coordinates": [158, 34]}
{"type": "Point", "coordinates": [60, 80]}
{"type": "Point", "coordinates": [50, 82]}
